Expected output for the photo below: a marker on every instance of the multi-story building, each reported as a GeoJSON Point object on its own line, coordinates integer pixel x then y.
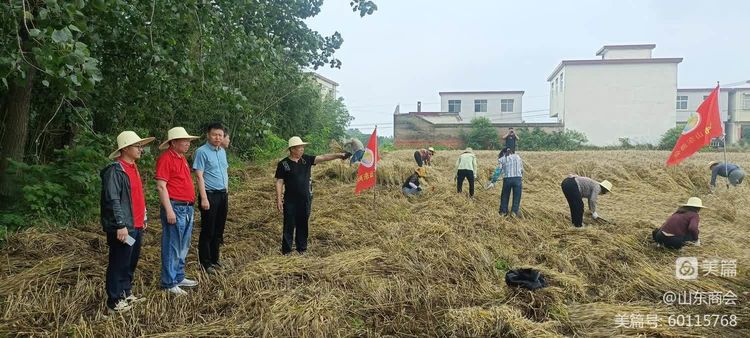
{"type": "Point", "coordinates": [498, 106]}
{"type": "Point", "coordinates": [625, 94]}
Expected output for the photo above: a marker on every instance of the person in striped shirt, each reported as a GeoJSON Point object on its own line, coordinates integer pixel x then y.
{"type": "Point", "coordinates": [512, 169]}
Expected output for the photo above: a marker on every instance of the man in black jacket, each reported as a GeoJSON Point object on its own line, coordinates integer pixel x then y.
{"type": "Point", "coordinates": [123, 218]}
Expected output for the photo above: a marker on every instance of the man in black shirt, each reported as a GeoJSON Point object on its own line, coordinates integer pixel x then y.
{"type": "Point", "coordinates": [511, 139]}
{"type": "Point", "coordinates": [294, 192]}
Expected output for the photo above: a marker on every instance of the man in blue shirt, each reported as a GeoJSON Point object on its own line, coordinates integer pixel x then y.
{"type": "Point", "coordinates": [733, 172]}
{"type": "Point", "coordinates": [210, 166]}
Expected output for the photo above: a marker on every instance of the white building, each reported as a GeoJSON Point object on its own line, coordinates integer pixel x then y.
{"type": "Point", "coordinates": [328, 87]}
{"type": "Point", "coordinates": [625, 94]}
{"type": "Point", "coordinates": [498, 106]}
{"type": "Point", "coordinates": [734, 106]}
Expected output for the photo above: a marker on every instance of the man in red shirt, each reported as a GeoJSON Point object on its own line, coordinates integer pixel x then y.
{"type": "Point", "coordinates": [176, 195]}
{"type": "Point", "coordinates": [123, 218]}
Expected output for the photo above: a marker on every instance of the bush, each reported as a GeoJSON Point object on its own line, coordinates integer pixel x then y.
{"type": "Point", "coordinates": [538, 139]}
{"type": "Point", "coordinates": [269, 148]}
{"type": "Point", "coordinates": [482, 135]}
{"type": "Point", "coordinates": [65, 190]}
{"type": "Point", "coordinates": [669, 139]}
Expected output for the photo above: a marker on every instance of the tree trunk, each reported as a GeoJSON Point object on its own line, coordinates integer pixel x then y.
{"type": "Point", "coordinates": [16, 114]}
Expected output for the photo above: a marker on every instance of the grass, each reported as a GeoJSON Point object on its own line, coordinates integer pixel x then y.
{"type": "Point", "coordinates": [391, 266]}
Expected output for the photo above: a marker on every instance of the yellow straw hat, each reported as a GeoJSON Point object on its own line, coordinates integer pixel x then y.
{"type": "Point", "coordinates": [606, 185]}
{"type": "Point", "coordinates": [422, 172]}
{"type": "Point", "coordinates": [126, 139]}
{"type": "Point", "coordinates": [694, 202]}
{"type": "Point", "coordinates": [296, 141]}
{"type": "Point", "coordinates": [176, 133]}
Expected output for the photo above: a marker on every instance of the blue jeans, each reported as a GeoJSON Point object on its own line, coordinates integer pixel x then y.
{"type": "Point", "coordinates": [410, 191]}
{"type": "Point", "coordinates": [511, 184]}
{"type": "Point", "coordinates": [175, 242]}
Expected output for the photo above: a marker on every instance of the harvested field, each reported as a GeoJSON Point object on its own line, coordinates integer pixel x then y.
{"type": "Point", "coordinates": [431, 266]}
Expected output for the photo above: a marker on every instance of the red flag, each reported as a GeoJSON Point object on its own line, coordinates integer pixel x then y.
{"type": "Point", "coordinates": [701, 127]}
{"type": "Point", "coordinates": [366, 171]}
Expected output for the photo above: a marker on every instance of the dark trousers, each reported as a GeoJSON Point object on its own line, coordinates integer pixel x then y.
{"type": "Point", "coordinates": [512, 185]}
{"type": "Point", "coordinates": [575, 201]}
{"type": "Point", "coordinates": [212, 228]}
{"type": "Point", "coordinates": [418, 158]}
{"type": "Point", "coordinates": [296, 217]}
{"type": "Point", "coordinates": [669, 242]}
{"type": "Point", "coordinates": [123, 259]}
{"type": "Point", "coordinates": [468, 174]}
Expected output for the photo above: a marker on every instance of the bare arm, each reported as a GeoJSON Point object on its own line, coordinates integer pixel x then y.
{"type": "Point", "coordinates": [279, 194]}
{"type": "Point", "coordinates": [329, 157]}
{"type": "Point", "coordinates": [202, 189]}
{"type": "Point", "coordinates": [161, 186]}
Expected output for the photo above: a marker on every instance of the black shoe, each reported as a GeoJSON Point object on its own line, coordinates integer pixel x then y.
{"type": "Point", "coordinates": [217, 266]}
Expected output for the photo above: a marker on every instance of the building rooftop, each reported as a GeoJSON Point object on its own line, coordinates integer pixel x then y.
{"type": "Point", "coordinates": [627, 47]}
{"type": "Point", "coordinates": [611, 62]}
{"type": "Point", "coordinates": [484, 92]}
{"type": "Point", "coordinates": [323, 78]}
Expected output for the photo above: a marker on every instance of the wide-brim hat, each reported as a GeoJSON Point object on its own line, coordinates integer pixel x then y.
{"type": "Point", "coordinates": [127, 139]}
{"type": "Point", "coordinates": [422, 172]}
{"type": "Point", "coordinates": [176, 133]}
{"type": "Point", "coordinates": [694, 202]}
{"type": "Point", "coordinates": [468, 150]}
{"type": "Point", "coordinates": [712, 163]}
{"type": "Point", "coordinates": [431, 149]}
{"type": "Point", "coordinates": [296, 141]}
{"type": "Point", "coordinates": [606, 185]}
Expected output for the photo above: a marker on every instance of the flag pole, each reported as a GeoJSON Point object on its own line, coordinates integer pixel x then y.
{"type": "Point", "coordinates": [724, 134]}
{"type": "Point", "coordinates": [375, 163]}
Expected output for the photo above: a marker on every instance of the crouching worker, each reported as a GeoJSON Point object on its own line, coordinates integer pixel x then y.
{"type": "Point", "coordinates": [411, 186]}
{"type": "Point", "coordinates": [681, 227]}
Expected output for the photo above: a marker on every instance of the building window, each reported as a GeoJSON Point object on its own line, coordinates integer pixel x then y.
{"type": "Point", "coordinates": [682, 102]}
{"type": "Point", "coordinates": [480, 106]}
{"type": "Point", "coordinates": [746, 101]}
{"type": "Point", "coordinates": [454, 106]}
{"type": "Point", "coordinates": [561, 82]}
{"type": "Point", "coordinates": [745, 131]}
{"type": "Point", "coordinates": [506, 105]}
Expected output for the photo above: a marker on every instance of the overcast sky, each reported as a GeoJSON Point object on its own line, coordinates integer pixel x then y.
{"type": "Point", "coordinates": [410, 50]}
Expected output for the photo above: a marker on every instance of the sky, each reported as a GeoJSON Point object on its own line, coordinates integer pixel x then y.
{"type": "Point", "coordinates": [409, 50]}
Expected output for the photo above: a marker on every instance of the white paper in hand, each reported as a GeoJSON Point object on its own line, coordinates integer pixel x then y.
{"type": "Point", "coordinates": [130, 240]}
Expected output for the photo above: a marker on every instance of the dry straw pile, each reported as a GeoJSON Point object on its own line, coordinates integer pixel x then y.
{"type": "Point", "coordinates": [430, 266]}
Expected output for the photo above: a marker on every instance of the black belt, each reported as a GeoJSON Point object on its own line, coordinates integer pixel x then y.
{"type": "Point", "coordinates": [181, 203]}
{"type": "Point", "coordinates": [220, 191]}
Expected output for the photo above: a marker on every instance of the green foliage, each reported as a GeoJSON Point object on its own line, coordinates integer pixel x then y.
{"type": "Point", "coordinates": [103, 66]}
{"type": "Point", "coordinates": [271, 147]}
{"type": "Point", "coordinates": [538, 139]}
{"type": "Point", "coordinates": [670, 137]}
{"type": "Point", "coordinates": [64, 190]}
{"type": "Point", "coordinates": [482, 135]}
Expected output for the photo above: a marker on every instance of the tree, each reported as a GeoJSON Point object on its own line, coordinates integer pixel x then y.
{"type": "Point", "coordinates": [538, 139]}
{"type": "Point", "coordinates": [482, 135]}
{"type": "Point", "coordinates": [670, 137]}
{"type": "Point", "coordinates": [103, 65]}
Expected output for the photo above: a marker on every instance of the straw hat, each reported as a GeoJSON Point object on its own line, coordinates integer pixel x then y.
{"type": "Point", "coordinates": [711, 164]}
{"type": "Point", "coordinates": [694, 202]}
{"type": "Point", "coordinates": [431, 149]}
{"type": "Point", "coordinates": [468, 150]}
{"type": "Point", "coordinates": [606, 185]}
{"type": "Point", "coordinates": [176, 133]}
{"type": "Point", "coordinates": [296, 141]}
{"type": "Point", "coordinates": [422, 172]}
{"type": "Point", "coordinates": [127, 139]}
